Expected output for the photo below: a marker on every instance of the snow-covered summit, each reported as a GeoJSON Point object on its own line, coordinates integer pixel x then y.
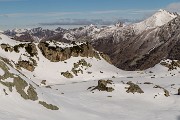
{"type": "Point", "coordinates": [160, 18]}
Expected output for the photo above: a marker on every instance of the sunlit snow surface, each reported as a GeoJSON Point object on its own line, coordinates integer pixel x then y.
{"type": "Point", "coordinates": [75, 102]}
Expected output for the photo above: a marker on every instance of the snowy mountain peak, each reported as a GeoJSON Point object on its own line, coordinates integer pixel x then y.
{"type": "Point", "coordinates": [165, 13]}
{"type": "Point", "coordinates": [159, 18]}
{"type": "Point", "coordinates": [161, 10]}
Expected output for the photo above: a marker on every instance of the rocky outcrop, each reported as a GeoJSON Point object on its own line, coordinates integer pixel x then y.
{"type": "Point", "coordinates": [30, 48]}
{"type": "Point", "coordinates": [172, 65]}
{"type": "Point", "coordinates": [18, 83]}
{"type": "Point", "coordinates": [26, 65]}
{"type": "Point", "coordinates": [133, 88]}
{"type": "Point", "coordinates": [56, 53]}
{"type": "Point", "coordinates": [67, 74]}
{"type": "Point", "coordinates": [166, 92]}
{"type": "Point", "coordinates": [178, 92]}
{"type": "Point", "coordinates": [103, 86]}
{"type": "Point", "coordinates": [78, 68]}
{"type": "Point", "coordinates": [7, 47]}
{"type": "Point", "coordinates": [48, 106]}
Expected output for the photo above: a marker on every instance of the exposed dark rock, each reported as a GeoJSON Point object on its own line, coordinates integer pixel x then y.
{"type": "Point", "coordinates": [31, 49]}
{"type": "Point", "coordinates": [48, 106]}
{"type": "Point", "coordinates": [148, 83]}
{"type": "Point", "coordinates": [7, 47]}
{"type": "Point", "coordinates": [102, 86]}
{"type": "Point", "coordinates": [67, 74]}
{"type": "Point", "coordinates": [16, 47]}
{"type": "Point", "coordinates": [166, 92]}
{"type": "Point", "coordinates": [32, 95]}
{"type": "Point", "coordinates": [179, 91]}
{"type": "Point", "coordinates": [173, 65]}
{"type": "Point", "coordinates": [133, 88]}
{"type": "Point", "coordinates": [56, 54]}
{"type": "Point", "coordinates": [5, 92]}
{"type": "Point", "coordinates": [43, 82]}
{"type": "Point", "coordinates": [18, 83]}
{"type": "Point", "coordinates": [26, 65]}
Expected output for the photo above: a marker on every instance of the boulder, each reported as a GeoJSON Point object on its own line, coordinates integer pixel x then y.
{"type": "Point", "coordinates": [179, 91]}
{"type": "Point", "coordinates": [26, 65]}
{"type": "Point", "coordinates": [133, 88]}
{"type": "Point", "coordinates": [67, 74]}
{"type": "Point", "coordinates": [102, 86]}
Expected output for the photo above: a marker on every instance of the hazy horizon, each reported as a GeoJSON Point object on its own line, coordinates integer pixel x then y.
{"type": "Point", "coordinates": [46, 13]}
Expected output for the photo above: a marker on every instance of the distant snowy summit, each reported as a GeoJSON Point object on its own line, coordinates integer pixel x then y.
{"type": "Point", "coordinates": [158, 19]}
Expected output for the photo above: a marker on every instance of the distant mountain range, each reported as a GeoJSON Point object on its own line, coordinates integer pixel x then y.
{"type": "Point", "coordinates": [133, 46]}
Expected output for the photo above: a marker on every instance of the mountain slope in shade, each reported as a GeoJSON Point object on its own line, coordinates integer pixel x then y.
{"type": "Point", "coordinates": [132, 51]}
{"type": "Point", "coordinates": [150, 47]}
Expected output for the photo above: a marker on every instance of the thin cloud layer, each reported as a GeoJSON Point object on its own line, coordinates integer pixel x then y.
{"type": "Point", "coordinates": [56, 14]}
{"type": "Point", "coordinates": [69, 21]}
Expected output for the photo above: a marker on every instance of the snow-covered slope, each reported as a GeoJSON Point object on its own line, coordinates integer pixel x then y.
{"type": "Point", "coordinates": [51, 71]}
{"type": "Point", "coordinates": [158, 19]}
{"type": "Point", "coordinates": [75, 100]}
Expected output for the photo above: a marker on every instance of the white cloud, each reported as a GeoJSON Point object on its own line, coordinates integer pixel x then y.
{"type": "Point", "coordinates": [50, 14]}
{"type": "Point", "coordinates": [174, 7]}
{"type": "Point", "coordinates": [129, 11]}
{"type": "Point", "coordinates": [56, 14]}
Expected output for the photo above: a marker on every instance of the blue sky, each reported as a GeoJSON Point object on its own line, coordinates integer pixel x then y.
{"type": "Point", "coordinates": [17, 13]}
